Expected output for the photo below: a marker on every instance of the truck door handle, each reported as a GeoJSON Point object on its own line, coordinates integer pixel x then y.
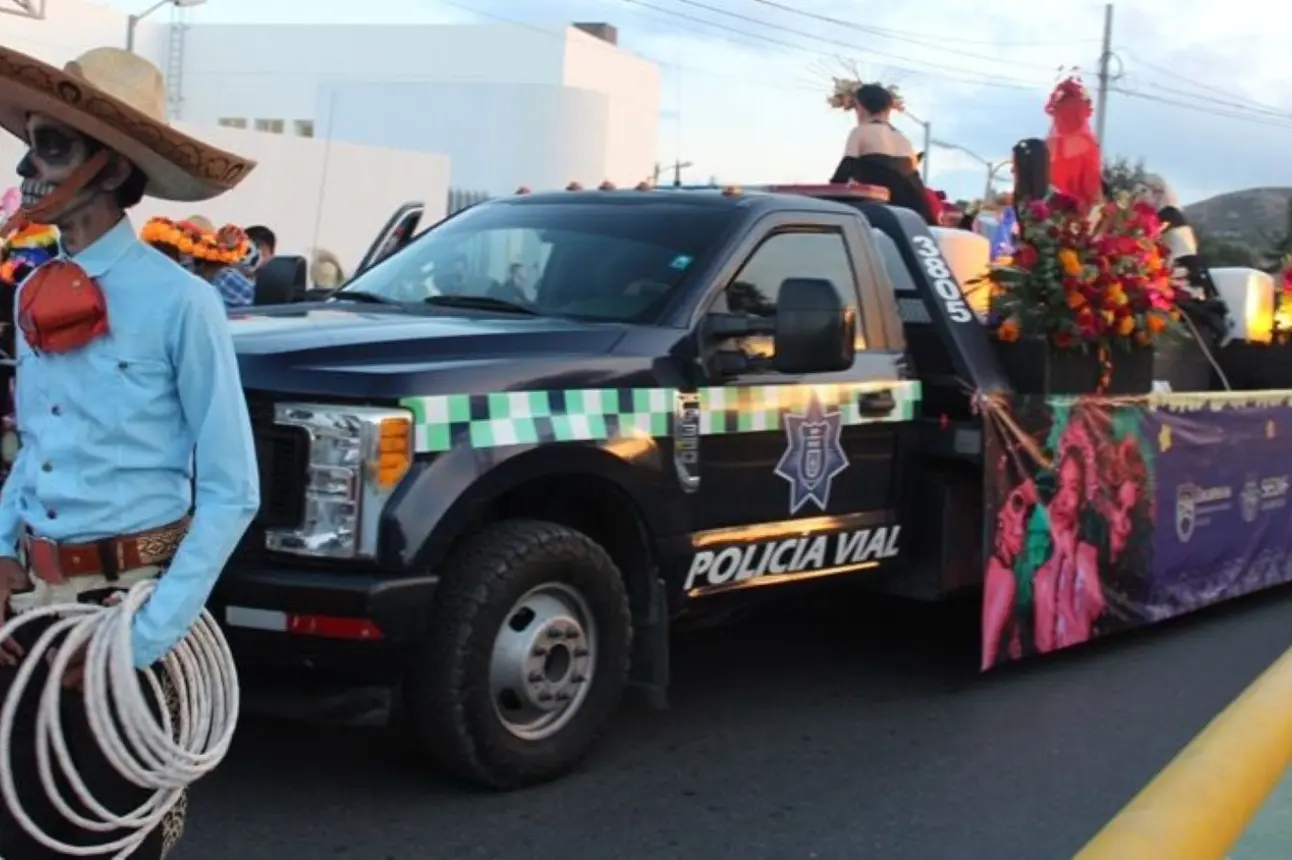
{"type": "Point", "coordinates": [876, 403]}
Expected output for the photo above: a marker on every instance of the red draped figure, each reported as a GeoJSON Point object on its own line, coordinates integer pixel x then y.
{"type": "Point", "coordinates": [1075, 163]}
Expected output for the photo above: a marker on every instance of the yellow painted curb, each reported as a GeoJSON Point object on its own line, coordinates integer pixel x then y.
{"type": "Point", "coordinates": [1200, 804]}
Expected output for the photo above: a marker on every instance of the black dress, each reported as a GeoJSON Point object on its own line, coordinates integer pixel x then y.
{"type": "Point", "coordinates": [897, 174]}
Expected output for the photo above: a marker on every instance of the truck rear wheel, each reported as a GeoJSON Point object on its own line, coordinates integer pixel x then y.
{"type": "Point", "coordinates": [526, 655]}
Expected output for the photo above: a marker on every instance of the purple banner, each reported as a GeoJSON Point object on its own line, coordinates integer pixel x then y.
{"type": "Point", "coordinates": [1224, 523]}
{"type": "Point", "coordinates": [1111, 513]}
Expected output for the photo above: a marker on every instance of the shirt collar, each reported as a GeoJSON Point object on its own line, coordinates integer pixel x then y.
{"type": "Point", "coordinates": [105, 251]}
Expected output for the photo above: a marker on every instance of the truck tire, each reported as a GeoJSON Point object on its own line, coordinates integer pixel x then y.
{"type": "Point", "coordinates": [525, 657]}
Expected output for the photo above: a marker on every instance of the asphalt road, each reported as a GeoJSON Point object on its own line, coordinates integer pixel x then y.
{"type": "Point", "coordinates": [841, 730]}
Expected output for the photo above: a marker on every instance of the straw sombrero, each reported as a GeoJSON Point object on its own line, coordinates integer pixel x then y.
{"type": "Point", "coordinates": [119, 99]}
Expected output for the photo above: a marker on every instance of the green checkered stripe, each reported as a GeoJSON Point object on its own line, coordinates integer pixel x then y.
{"type": "Point", "coordinates": [445, 421]}
{"type": "Point", "coordinates": [753, 408]}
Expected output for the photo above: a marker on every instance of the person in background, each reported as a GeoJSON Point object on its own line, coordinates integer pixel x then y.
{"type": "Point", "coordinates": [935, 199]}
{"type": "Point", "coordinates": [326, 272]}
{"type": "Point", "coordinates": [265, 241]}
{"type": "Point", "coordinates": [514, 288]}
{"type": "Point", "coordinates": [229, 260]}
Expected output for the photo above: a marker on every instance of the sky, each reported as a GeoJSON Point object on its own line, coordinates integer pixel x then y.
{"type": "Point", "coordinates": [1200, 88]}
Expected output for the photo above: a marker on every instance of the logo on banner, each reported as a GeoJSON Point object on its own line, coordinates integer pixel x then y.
{"type": "Point", "coordinates": [813, 456]}
{"type": "Point", "coordinates": [1251, 499]}
{"type": "Point", "coordinates": [1186, 511]}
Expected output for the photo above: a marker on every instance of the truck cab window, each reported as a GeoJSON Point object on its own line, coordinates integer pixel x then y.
{"type": "Point", "coordinates": [755, 288]}
{"type": "Point", "coordinates": [586, 260]}
{"type": "Point", "coordinates": [821, 254]}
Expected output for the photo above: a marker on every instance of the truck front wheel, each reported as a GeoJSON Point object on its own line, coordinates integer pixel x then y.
{"type": "Point", "coordinates": [525, 658]}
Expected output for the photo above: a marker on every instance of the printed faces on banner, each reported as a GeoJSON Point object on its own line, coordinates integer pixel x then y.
{"type": "Point", "coordinates": [732, 565]}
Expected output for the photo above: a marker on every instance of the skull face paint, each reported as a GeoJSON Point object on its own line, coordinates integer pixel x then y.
{"type": "Point", "coordinates": [55, 152]}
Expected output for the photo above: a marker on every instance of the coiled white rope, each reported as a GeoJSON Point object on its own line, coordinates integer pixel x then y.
{"type": "Point", "coordinates": [140, 740]}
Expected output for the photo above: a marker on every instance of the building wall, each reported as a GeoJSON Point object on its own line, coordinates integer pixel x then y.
{"type": "Point", "coordinates": [632, 87]}
{"type": "Point", "coordinates": [312, 193]}
{"type": "Point", "coordinates": [498, 136]}
{"type": "Point", "coordinates": [287, 74]}
{"type": "Point", "coordinates": [274, 71]}
{"type": "Point", "coordinates": [71, 27]}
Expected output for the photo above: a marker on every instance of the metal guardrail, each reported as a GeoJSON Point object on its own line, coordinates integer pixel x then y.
{"type": "Point", "coordinates": [462, 198]}
{"type": "Point", "coordinates": [1198, 807]}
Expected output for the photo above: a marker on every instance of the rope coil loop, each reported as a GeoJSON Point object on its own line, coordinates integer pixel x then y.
{"type": "Point", "coordinates": [135, 729]}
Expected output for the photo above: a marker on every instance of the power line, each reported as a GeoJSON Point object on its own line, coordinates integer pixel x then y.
{"type": "Point", "coordinates": [1230, 99]}
{"type": "Point", "coordinates": [688, 69]}
{"type": "Point", "coordinates": [1255, 119]}
{"type": "Point", "coordinates": [958, 74]}
{"type": "Point", "coordinates": [927, 41]}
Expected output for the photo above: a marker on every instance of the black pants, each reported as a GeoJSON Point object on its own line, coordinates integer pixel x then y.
{"type": "Point", "coordinates": [100, 777]}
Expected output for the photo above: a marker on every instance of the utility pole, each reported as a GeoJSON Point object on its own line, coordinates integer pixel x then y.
{"type": "Point", "coordinates": [928, 146]}
{"type": "Point", "coordinates": [677, 167]}
{"type": "Point", "coordinates": [1105, 60]}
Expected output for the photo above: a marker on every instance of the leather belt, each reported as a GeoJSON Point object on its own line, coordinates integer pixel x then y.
{"type": "Point", "coordinates": [54, 562]}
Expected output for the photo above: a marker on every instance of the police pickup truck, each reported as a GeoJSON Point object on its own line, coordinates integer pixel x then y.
{"type": "Point", "coordinates": [500, 463]}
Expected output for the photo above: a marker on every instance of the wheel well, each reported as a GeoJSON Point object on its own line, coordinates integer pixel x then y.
{"type": "Point", "coordinates": [597, 508]}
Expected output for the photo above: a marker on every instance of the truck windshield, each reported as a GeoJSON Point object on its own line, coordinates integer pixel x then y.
{"type": "Point", "coordinates": [618, 261]}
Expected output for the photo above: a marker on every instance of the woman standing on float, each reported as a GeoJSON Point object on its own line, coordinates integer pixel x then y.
{"type": "Point", "coordinates": [876, 153]}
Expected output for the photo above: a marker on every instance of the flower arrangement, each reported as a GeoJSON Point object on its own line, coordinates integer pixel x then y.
{"type": "Point", "coordinates": [1081, 282]}
{"type": "Point", "coordinates": [844, 94]}
{"type": "Point", "coordinates": [24, 251]}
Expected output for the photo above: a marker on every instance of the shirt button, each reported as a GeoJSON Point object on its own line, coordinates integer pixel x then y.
{"type": "Point", "coordinates": [122, 365]}
{"type": "Point", "coordinates": [53, 515]}
{"type": "Point", "coordinates": [47, 466]}
{"type": "Point", "coordinates": [56, 409]}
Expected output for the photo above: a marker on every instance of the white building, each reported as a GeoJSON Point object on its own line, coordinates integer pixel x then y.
{"type": "Point", "coordinates": [507, 104]}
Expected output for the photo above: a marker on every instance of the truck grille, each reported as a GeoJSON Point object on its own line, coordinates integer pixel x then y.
{"type": "Point", "coordinates": [283, 455]}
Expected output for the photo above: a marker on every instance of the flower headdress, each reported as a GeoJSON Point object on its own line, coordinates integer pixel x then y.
{"type": "Point", "coordinates": [179, 236]}
{"type": "Point", "coordinates": [228, 246]}
{"type": "Point", "coordinates": [844, 94]}
{"type": "Point", "coordinates": [1070, 91]}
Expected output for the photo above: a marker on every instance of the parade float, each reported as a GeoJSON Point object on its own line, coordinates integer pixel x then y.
{"type": "Point", "coordinates": [1121, 486]}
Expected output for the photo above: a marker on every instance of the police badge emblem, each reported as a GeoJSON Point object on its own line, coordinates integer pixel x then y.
{"type": "Point", "coordinates": [813, 456]}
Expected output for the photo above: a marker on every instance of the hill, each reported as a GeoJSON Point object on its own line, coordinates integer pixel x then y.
{"type": "Point", "coordinates": [1255, 217]}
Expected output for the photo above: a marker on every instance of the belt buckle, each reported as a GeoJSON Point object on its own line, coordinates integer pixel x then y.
{"type": "Point", "coordinates": [43, 560]}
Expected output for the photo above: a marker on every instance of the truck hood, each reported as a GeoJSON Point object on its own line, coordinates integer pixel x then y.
{"type": "Point", "coordinates": [384, 352]}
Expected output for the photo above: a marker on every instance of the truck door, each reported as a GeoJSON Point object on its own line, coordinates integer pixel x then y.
{"type": "Point", "coordinates": [397, 233]}
{"type": "Point", "coordinates": [782, 457]}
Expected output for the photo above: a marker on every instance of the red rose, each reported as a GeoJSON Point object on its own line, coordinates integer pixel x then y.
{"type": "Point", "coordinates": [1027, 256]}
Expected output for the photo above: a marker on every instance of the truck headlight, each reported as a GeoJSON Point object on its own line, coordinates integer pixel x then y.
{"type": "Point", "coordinates": [357, 456]}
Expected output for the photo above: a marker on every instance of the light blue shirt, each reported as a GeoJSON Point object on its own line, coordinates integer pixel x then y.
{"type": "Point", "coordinates": [110, 433]}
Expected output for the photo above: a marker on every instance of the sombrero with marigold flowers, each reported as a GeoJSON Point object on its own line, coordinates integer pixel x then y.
{"type": "Point", "coordinates": [119, 99]}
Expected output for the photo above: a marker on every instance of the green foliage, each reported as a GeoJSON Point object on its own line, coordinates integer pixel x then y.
{"type": "Point", "coordinates": [1121, 175]}
{"type": "Point", "coordinates": [1222, 252]}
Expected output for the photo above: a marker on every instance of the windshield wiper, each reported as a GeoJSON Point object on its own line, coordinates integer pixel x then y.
{"type": "Point", "coordinates": [363, 296]}
{"type": "Point", "coordinates": [483, 303]}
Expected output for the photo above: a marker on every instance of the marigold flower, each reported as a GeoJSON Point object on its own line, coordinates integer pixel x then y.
{"type": "Point", "coordinates": [1070, 261]}
{"type": "Point", "coordinates": [1008, 331]}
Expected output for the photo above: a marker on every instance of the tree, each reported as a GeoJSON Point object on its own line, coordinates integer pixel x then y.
{"type": "Point", "coordinates": [1120, 175]}
{"type": "Point", "coordinates": [1222, 252]}
{"type": "Point", "coordinates": [1281, 245]}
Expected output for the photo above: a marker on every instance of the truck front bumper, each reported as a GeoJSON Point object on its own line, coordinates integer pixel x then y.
{"type": "Point", "coordinates": [351, 626]}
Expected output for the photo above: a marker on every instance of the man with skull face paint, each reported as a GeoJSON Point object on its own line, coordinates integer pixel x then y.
{"type": "Point", "coordinates": [127, 387]}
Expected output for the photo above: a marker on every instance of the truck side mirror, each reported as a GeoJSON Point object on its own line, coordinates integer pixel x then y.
{"type": "Point", "coordinates": [815, 331]}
